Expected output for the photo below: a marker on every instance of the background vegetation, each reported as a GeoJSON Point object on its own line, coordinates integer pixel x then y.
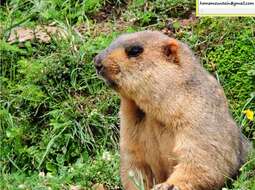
{"type": "Point", "coordinates": [59, 122]}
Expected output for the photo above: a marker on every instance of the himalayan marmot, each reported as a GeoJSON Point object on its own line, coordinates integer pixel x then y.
{"type": "Point", "coordinates": [176, 130]}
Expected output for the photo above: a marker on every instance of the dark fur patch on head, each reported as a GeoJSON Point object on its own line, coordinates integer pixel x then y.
{"type": "Point", "coordinates": [192, 82]}
{"type": "Point", "coordinates": [140, 115]}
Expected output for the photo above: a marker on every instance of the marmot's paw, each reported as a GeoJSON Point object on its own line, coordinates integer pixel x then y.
{"type": "Point", "coordinates": [165, 186]}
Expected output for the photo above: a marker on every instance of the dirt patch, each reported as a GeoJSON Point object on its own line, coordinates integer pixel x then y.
{"type": "Point", "coordinates": [175, 25]}
{"type": "Point", "coordinates": [104, 27]}
{"type": "Point", "coordinates": [109, 11]}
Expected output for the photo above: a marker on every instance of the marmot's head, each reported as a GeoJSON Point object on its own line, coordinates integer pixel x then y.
{"type": "Point", "coordinates": [142, 62]}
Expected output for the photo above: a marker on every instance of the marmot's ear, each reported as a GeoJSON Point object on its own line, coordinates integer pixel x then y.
{"type": "Point", "coordinates": [171, 50]}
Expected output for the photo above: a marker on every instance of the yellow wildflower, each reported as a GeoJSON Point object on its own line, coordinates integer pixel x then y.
{"type": "Point", "coordinates": [249, 114]}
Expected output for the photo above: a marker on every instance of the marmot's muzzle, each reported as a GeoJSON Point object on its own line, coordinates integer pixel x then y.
{"type": "Point", "coordinates": [98, 64]}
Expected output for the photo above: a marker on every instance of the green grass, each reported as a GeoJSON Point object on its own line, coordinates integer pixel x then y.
{"type": "Point", "coordinates": [84, 173]}
{"type": "Point", "coordinates": [59, 121]}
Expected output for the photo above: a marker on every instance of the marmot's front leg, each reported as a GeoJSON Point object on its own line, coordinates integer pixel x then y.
{"type": "Point", "coordinates": [133, 166]}
{"type": "Point", "coordinates": [134, 175]}
{"type": "Point", "coordinates": [165, 186]}
{"type": "Point", "coordinates": [189, 177]}
{"type": "Point", "coordinates": [125, 170]}
{"type": "Point", "coordinates": [197, 168]}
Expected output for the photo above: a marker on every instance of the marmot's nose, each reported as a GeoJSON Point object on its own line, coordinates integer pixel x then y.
{"type": "Point", "coordinates": [98, 63]}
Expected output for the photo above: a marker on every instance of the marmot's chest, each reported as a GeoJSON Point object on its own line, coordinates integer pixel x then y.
{"type": "Point", "coordinates": [156, 143]}
{"type": "Point", "coordinates": [155, 135]}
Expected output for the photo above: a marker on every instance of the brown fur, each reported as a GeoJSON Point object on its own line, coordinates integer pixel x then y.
{"type": "Point", "coordinates": [175, 125]}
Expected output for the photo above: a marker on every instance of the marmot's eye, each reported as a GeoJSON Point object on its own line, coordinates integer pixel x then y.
{"type": "Point", "coordinates": [134, 51]}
